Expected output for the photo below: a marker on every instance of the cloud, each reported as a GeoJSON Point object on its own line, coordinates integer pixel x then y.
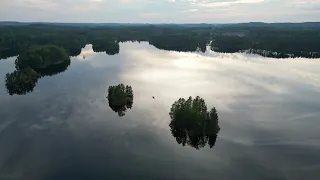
{"type": "Point", "coordinates": [309, 4]}
{"type": "Point", "coordinates": [41, 4]}
{"type": "Point", "coordinates": [224, 78]}
{"type": "Point", "coordinates": [160, 11]}
{"type": "Point", "coordinates": [228, 3]}
{"type": "Point", "coordinates": [95, 0]}
{"type": "Point", "coordinates": [193, 10]}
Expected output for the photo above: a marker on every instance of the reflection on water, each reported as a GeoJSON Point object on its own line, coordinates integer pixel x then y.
{"type": "Point", "coordinates": [54, 69]}
{"type": "Point", "coordinates": [191, 123]}
{"type": "Point", "coordinates": [23, 81]}
{"type": "Point", "coordinates": [86, 52]}
{"type": "Point", "coordinates": [268, 109]}
{"type": "Point", "coordinates": [120, 98]}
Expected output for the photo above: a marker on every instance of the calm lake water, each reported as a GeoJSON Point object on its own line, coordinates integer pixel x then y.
{"type": "Point", "coordinates": [269, 115]}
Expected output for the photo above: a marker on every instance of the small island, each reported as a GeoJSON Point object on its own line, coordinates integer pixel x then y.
{"type": "Point", "coordinates": [108, 46]}
{"type": "Point", "coordinates": [192, 124]}
{"type": "Point", "coordinates": [54, 69]}
{"type": "Point", "coordinates": [120, 98]}
{"type": "Point", "coordinates": [21, 81]}
{"type": "Point", "coordinates": [31, 65]}
{"type": "Point", "coordinates": [39, 57]}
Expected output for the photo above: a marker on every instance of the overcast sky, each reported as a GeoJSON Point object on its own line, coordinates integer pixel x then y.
{"type": "Point", "coordinates": [160, 11]}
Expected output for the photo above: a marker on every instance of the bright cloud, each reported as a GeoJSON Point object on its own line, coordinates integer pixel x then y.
{"type": "Point", "coordinates": [228, 3]}
{"type": "Point", "coordinates": [160, 11]}
{"type": "Point", "coordinates": [312, 4]}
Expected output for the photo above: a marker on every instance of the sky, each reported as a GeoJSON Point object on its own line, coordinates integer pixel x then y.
{"type": "Point", "coordinates": [160, 11]}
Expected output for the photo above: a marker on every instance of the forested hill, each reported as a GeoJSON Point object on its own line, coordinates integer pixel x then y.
{"type": "Point", "coordinates": [306, 25]}
{"type": "Point", "coordinates": [279, 40]}
{"type": "Point", "coordinates": [13, 23]}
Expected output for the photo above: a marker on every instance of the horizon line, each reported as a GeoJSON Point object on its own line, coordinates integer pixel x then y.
{"type": "Point", "coordinates": [53, 22]}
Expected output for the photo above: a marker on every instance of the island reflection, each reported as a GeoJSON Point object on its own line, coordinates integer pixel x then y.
{"type": "Point", "coordinates": [192, 124]}
{"type": "Point", "coordinates": [33, 64]}
{"type": "Point", "coordinates": [120, 98]}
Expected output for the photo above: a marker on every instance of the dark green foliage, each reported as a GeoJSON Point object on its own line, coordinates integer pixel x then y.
{"type": "Point", "coordinates": [287, 41]}
{"type": "Point", "coordinates": [230, 44]}
{"type": "Point", "coordinates": [192, 124]}
{"type": "Point", "coordinates": [108, 46]}
{"type": "Point", "coordinates": [180, 42]}
{"type": "Point", "coordinates": [14, 40]}
{"type": "Point", "coordinates": [277, 42]}
{"type": "Point", "coordinates": [21, 81]}
{"type": "Point", "coordinates": [41, 57]}
{"type": "Point", "coordinates": [54, 69]}
{"type": "Point", "coordinates": [120, 98]}
{"type": "Point", "coordinates": [6, 53]}
{"type": "Point", "coordinates": [37, 62]}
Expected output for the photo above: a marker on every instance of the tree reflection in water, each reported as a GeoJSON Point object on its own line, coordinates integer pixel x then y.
{"type": "Point", "coordinates": [192, 124]}
{"type": "Point", "coordinates": [23, 81]}
{"type": "Point", "coordinates": [120, 98]}
{"type": "Point", "coordinates": [54, 69]}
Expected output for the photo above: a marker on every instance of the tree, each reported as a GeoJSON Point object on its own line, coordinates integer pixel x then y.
{"type": "Point", "coordinates": [33, 64]}
{"type": "Point", "coordinates": [120, 98]}
{"type": "Point", "coordinates": [21, 81]}
{"type": "Point", "coordinates": [54, 69]}
{"type": "Point", "coordinates": [279, 40]}
{"type": "Point", "coordinates": [41, 57]}
{"type": "Point", "coordinates": [191, 123]}
{"type": "Point", "coordinates": [111, 47]}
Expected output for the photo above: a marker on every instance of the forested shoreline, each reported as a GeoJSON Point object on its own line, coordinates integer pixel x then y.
{"type": "Point", "coordinates": [271, 41]}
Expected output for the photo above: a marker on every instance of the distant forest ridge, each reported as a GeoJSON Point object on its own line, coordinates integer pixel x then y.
{"type": "Point", "coordinates": [276, 40]}
{"type": "Point", "coordinates": [248, 24]}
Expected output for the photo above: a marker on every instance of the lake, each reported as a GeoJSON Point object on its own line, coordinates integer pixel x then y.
{"type": "Point", "coordinates": [269, 115]}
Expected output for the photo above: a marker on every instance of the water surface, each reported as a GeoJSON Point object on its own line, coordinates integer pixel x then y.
{"type": "Point", "coordinates": [268, 110]}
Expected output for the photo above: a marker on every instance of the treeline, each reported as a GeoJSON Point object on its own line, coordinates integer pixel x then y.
{"type": "Point", "coordinates": [278, 42]}
{"type": "Point", "coordinates": [34, 63]}
{"type": "Point", "coordinates": [15, 40]}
